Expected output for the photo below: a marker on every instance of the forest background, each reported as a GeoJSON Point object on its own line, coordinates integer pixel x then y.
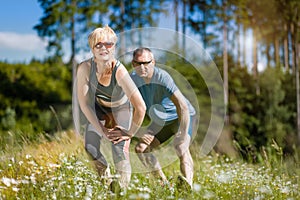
{"type": "Point", "coordinates": [262, 104]}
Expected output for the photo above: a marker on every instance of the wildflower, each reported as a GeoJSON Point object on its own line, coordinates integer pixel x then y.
{"type": "Point", "coordinates": [51, 165]}
{"type": "Point", "coordinates": [144, 195]}
{"type": "Point", "coordinates": [15, 189]}
{"type": "Point", "coordinates": [53, 195]}
{"type": "Point", "coordinates": [32, 163]}
{"type": "Point", "coordinates": [208, 195]}
{"type": "Point", "coordinates": [285, 190]}
{"type": "Point", "coordinates": [133, 196]}
{"type": "Point", "coordinates": [13, 181]}
{"type": "Point", "coordinates": [197, 187]}
{"type": "Point", "coordinates": [265, 189]}
{"type": "Point", "coordinates": [6, 181]}
{"type": "Point", "coordinates": [33, 179]}
{"type": "Point", "coordinates": [223, 178]}
{"type": "Point", "coordinates": [135, 180]}
{"type": "Point", "coordinates": [89, 192]}
{"type": "Point", "coordinates": [170, 197]}
{"type": "Point", "coordinates": [70, 167]}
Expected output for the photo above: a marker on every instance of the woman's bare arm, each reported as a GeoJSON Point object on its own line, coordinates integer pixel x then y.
{"type": "Point", "coordinates": [136, 99]}
{"type": "Point", "coordinates": [83, 97]}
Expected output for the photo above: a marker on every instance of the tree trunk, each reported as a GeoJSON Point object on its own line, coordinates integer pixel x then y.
{"type": "Point", "coordinates": [268, 54]}
{"type": "Point", "coordinates": [254, 59]}
{"type": "Point", "coordinates": [239, 44]}
{"type": "Point", "coordinates": [293, 48]}
{"type": "Point", "coordinates": [225, 62]}
{"type": "Point", "coordinates": [122, 38]}
{"type": "Point", "coordinates": [183, 25]}
{"type": "Point", "coordinates": [244, 46]}
{"type": "Point", "coordinates": [72, 58]}
{"type": "Point", "coordinates": [176, 15]}
{"type": "Point", "coordinates": [286, 48]}
{"type": "Point", "coordinates": [204, 27]}
{"type": "Point", "coordinates": [296, 57]}
{"type": "Point", "coordinates": [277, 56]}
{"type": "Point", "coordinates": [73, 38]}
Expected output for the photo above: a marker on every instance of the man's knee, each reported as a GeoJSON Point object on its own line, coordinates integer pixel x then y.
{"type": "Point", "coordinates": [182, 150]}
{"type": "Point", "coordinates": [141, 147]}
{"type": "Point", "coordinates": [181, 144]}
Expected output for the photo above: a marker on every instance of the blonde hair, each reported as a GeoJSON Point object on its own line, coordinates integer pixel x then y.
{"type": "Point", "coordinates": [99, 34]}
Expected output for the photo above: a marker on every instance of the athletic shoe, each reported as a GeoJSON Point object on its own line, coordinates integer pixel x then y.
{"type": "Point", "coordinates": [182, 184]}
{"type": "Point", "coordinates": [115, 187]}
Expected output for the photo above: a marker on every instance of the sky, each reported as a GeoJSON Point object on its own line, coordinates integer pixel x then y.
{"type": "Point", "coordinates": [19, 42]}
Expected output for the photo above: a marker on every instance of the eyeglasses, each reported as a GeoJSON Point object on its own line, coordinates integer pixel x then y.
{"type": "Point", "coordinates": [137, 63]}
{"type": "Point", "coordinates": [107, 45]}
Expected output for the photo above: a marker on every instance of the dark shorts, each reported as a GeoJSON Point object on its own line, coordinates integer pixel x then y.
{"type": "Point", "coordinates": [120, 115]}
{"type": "Point", "coordinates": [163, 133]}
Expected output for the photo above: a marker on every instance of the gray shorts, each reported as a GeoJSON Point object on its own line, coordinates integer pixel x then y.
{"type": "Point", "coordinates": [111, 116]}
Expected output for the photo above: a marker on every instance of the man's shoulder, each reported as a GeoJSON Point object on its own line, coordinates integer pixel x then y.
{"type": "Point", "coordinates": [133, 74]}
{"type": "Point", "coordinates": [135, 77]}
{"type": "Point", "coordinates": [162, 75]}
{"type": "Point", "coordinates": [159, 72]}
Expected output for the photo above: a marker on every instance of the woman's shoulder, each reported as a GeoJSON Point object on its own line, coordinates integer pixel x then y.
{"type": "Point", "coordinates": [85, 65]}
{"type": "Point", "coordinates": [119, 65]}
{"type": "Point", "coordinates": [86, 62]}
{"type": "Point", "coordinates": [120, 69]}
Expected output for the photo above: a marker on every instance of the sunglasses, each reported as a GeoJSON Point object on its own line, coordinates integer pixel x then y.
{"type": "Point", "coordinates": [141, 63]}
{"type": "Point", "coordinates": [107, 45]}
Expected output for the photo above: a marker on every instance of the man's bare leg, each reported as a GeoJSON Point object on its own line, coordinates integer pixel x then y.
{"type": "Point", "coordinates": [187, 166]}
{"type": "Point", "coordinates": [149, 160]}
{"type": "Point", "coordinates": [181, 144]}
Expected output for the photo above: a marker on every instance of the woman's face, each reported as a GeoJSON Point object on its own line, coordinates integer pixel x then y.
{"type": "Point", "coordinates": [104, 50]}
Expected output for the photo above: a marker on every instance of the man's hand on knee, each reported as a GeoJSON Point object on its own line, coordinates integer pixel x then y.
{"type": "Point", "coordinates": [147, 138]}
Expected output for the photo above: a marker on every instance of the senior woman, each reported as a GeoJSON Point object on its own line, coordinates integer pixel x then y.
{"type": "Point", "coordinates": [110, 102]}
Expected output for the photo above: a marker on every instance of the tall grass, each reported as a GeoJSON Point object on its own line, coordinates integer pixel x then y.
{"type": "Point", "coordinates": [60, 169]}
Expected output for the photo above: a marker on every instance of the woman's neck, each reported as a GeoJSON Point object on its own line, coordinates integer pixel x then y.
{"type": "Point", "coordinates": [103, 65]}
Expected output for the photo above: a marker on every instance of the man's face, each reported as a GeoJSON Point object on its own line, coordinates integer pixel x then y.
{"type": "Point", "coordinates": [143, 64]}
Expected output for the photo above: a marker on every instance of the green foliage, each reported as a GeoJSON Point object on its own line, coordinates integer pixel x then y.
{"type": "Point", "coordinates": [135, 13]}
{"type": "Point", "coordinates": [27, 92]}
{"type": "Point", "coordinates": [8, 120]}
{"type": "Point", "coordinates": [274, 114]}
{"type": "Point", "coordinates": [259, 119]}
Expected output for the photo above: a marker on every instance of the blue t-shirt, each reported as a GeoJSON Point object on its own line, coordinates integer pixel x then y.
{"type": "Point", "coordinates": [157, 95]}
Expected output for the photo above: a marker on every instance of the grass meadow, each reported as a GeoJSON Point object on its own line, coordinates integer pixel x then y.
{"type": "Point", "coordinates": [59, 168]}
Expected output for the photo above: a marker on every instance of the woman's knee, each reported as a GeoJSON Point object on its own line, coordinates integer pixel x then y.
{"type": "Point", "coordinates": [92, 150]}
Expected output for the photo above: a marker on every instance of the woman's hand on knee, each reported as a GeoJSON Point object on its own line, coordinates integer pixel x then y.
{"type": "Point", "coordinates": [118, 134]}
